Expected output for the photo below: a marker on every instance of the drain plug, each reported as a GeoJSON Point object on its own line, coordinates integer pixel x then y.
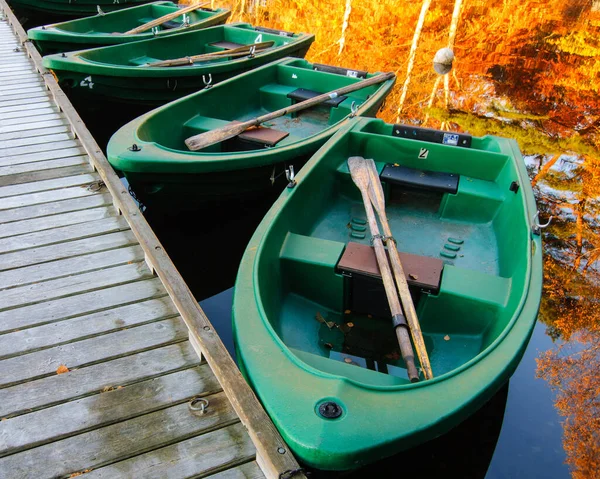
{"type": "Point", "coordinates": [330, 410]}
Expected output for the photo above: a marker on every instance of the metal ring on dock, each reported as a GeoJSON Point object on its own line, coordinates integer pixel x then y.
{"type": "Point", "coordinates": [198, 404]}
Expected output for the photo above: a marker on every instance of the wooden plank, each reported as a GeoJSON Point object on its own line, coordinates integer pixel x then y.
{"type": "Point", "coordinates": [196, 457]}
{"type": "Point", "coordinates": [33, 125]}
{"type": "Point", "coordinates": [41, 103]}
{"type": "Point", "coordinates": [36, 140]}
{"type": "Point", "coordinates": [25, 93]}
{"type": "Point", "coordinates": [119, 441]}
{"type": "Point", "coordinates": [250, 470]}
{"type": "Point", "coordinates": [39, 166]}
{"type": "Point", "coordinates": [46, 155]}
{"type": "Point", "coordinates": [38, 147]}
{"type": "Point", "coordinates": [45, 254]}
{"type": "Point", "coordinates": [44, 174]}
{"type": "Point", "coordinates": [20, 77]}
{"type": "Point", "coordinates": [46, 222]}
{"type": "Point", "coordinates": [83, 327]}
{"type": "Point", "coordinates": [27, 99]}
{"type": "Point", "coordinates": [13, 124]}
{"type": "Point", "coordinates": [72, 285]}
{"type": "Point", "coordinates": [8, 88]}
{"type": "Point", "coordinates": [53, 184]}
{"type": "Point", "coordinates": [47, 197]}
{"type": "Point", "coordinates": [73, 306]}
{"type": "Point", "coordinates": [62, 234]}
{"type": "Point", "coordinates": [64, 420]}
{"type": "Point", "coordinates": [31, 396]}
{"type": "Point", "coordinates": [56, 207]}
{"type": "Point", "coordinates": [82, 353]}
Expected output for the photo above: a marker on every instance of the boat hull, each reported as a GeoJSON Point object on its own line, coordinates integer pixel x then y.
{"type": "Point", "coordinates": [89, 75]}
{"type": "Point", "coordinates": [104, 30]}
{"type": "Point", "coordinates": [291, 299]}
{"type": "Point", "coordinates": [174, 177]}
{"type": "Point", "coordinates": [66, 9]}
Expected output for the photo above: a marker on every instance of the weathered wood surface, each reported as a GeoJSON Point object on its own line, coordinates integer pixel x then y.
{"type": "Point", "coordinates": [96, 363]}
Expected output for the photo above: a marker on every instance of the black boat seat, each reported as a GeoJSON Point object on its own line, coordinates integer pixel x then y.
{"type": "Point", "coordinates": [421, 179]}
{"type": "Point", "coordinates": [421, 272]}
{"type": "Point", "coordinates": [227, 45]}
{"type": "Point", "coordinates": [302, 94]}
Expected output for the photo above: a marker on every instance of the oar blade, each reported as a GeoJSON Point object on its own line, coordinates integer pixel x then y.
{"type": "Point", "coordinates": [359, 172]}
{"type": "Point", "coordinates": [212, 137]}
{"type": "Point", "coordinates": [375, 189]}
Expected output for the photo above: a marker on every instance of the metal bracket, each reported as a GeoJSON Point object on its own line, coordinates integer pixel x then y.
{"type": "Point", "coordinates": [537, 228]}
{"type": "Point", "coordinates": [207, 83]}
{"type": "Point", "coordinates": [353, 110]}
{"type": "Point", "coordinates": [100, 12]}
{"type": "Point", "coordinates": [290, 175]}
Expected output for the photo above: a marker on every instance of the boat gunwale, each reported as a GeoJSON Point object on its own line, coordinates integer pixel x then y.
{"type": "Point", "coordinates": [211, 159]}
{"type": "Point", "coordinates": [482, 355]}
{"type": "Point", "coordinates": [111, 70]}
{"type": "Point", "coordinates": [56, 34]}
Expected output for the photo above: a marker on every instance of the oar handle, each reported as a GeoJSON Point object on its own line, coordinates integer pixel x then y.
{"type": "Point", "coordinates": [400, 324]}
{"type": "Point", "coordinates": [378, 201]}
{"type": "Point", "coordinates": [326, 96]}
{"type": "Point", "coordinates": [235, 52]}
{"type": "Point", "coordinates": [202, 140]}
{"type": "Point", "coordinates": [165, 18]}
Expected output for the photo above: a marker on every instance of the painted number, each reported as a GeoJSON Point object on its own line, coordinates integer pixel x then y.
{"type": "Point", "coordinates": [87, 81]}
{"type": "Point", "coordinates": [423, 153]}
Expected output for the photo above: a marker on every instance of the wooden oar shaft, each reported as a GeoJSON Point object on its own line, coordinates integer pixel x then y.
{"type": "Point", "coordinates": [165, 18]}
{"type": "Point", "coordinates": [390, 291]}
{"type": "Point", "coordinates": [202, 140]}
{"type": "Point", "coordinates": [378, 200]}
{"type": "Point", "coordinates": [361, 181]}
{"type": "Point", "coordinates": [234, 52]}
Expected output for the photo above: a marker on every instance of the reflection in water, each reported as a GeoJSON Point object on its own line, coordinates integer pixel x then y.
{"type": "Point", "coordinates": [526, 70]}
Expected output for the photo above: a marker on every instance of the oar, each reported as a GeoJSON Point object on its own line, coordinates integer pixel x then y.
{"type": "Point", "coordinates": [360, 175]}
{"type": "Point", "coordinates": [234, 52]}
{"type": "Point", "coordinates": [165, 18]}
{"type": "Point", "coordinates": [378, 200]}
{"type": "Point", "coordinates": [197, 142]}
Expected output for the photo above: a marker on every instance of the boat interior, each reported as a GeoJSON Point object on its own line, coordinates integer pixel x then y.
{"type": "Point", "coordinates": [265, 90]}
{"type": "Point", "coordinates": [460, 225]}
{"type": "Point", "coordinates": [128, 19]}
{"type": "Point", "coordinates": [197, 42]}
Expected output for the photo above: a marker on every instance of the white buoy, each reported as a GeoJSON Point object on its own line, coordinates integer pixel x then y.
{"type": "Point", "coordinates": [442, 61]}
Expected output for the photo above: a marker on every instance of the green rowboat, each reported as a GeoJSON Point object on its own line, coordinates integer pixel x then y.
{"type": "Point", "coordinates": [71, 8]}
{"type": "Point", "coordinates": [108, 29]}
{"type": "Point", "coordinates": [313, 333]}
{"type": "Point", "coordinates": [122, 73]}
{"type": "Point", "coordinates": [163, 172]}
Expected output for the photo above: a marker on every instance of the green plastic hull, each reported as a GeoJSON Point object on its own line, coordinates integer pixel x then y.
{"type": "Point", "coordinates": [164, 173]}
{"type": "Point", "coordinates": [300, 345]}
{"type": "Point", "coordinates": [104, 30]}
{"type": "Point", "coordinates": [120, 73]}
{"type": "Point", "coordinates": [66, 8]}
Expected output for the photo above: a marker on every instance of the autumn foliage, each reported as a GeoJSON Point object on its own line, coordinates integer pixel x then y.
{"type": "Point", "coordinates": [526, 70]}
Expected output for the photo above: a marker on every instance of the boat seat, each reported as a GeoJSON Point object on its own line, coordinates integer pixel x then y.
{"type": "Point", "coordinates": [226, 45]}
{"type": "Point", "coordinates": [421, 272]}
{"type": "Point", "coordinates": [302, 94]}
{"type": "Point", "coordinates": [421, 179]}
{"type": "Point", "coordinates": [262, 135]}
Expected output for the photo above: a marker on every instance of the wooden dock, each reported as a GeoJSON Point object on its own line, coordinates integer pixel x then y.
{"type": "Point", "coordinates": [100, 339]}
